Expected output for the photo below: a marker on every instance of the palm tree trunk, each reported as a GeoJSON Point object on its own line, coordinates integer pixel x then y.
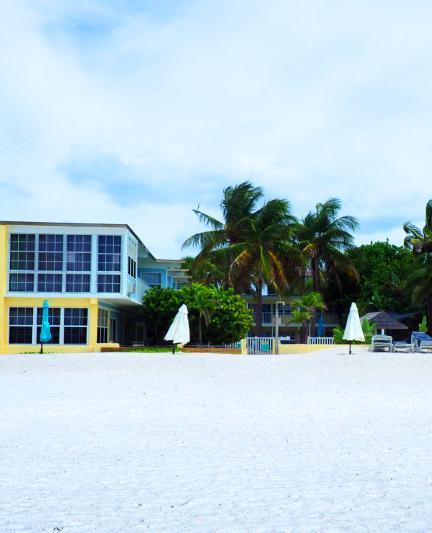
{"type": "Point", "coordinates": [258, 320]}
{"type": "Point", "coordinates": [313, 322]}
{"type": "Point", "coordinates": [315, 275]}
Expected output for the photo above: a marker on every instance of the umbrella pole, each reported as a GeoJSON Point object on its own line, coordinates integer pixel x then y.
{"type": "Point", "coordinates": [174, 348]}
{"type": "Point", "coordinates": [350, 352]}
{"type": "Point", "coordinates": [41, 350]}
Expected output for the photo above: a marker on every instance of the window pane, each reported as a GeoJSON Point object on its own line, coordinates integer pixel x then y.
{"type": "Point", "coordinates": [50, 252]}
{"type": "Point", "coordinates": [53, 316]}
{"type": "Point", "coordinates": [102, 332]}
{"type": "Point", "coordinates": [154, 279]}
{"type": "Point", "coordinates": [75, 335]}
{"type": "Point", "coordinates": [108, 283]}
{"type": "Point", "coordinates": [77, 282]}
{"type": "Point", "coordinates": [20, 334]}
{"type": "Point", "coordinates": [49, 283]}
{"type": "Point", "coordinates": [78, 256]}
{"type": "Point", "coordinates": [20, 325]}
{"type": "Point", "coordinates": [21, 316]}
{"type": "Point", "coordinates": [109, 253]}
{"type": "Point", "coordinates": [75, 317]}
{"type": "Point", "coordinates": [22, 251]}
{"type": "Point", "coordinates": [21, 282]}
{"type": "Point", "coordinates": [55, 335]}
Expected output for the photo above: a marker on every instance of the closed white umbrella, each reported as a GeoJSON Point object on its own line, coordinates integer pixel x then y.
{"type": "Point", "coordinates": [353, 329]}
{"type": "Point", "coordinates": [178, 332]}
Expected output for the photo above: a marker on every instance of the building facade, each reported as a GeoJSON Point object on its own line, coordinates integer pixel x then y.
{"type": "Point", "coordinates": [287, 327]}
{"type": "Point", "coordinates": [94, 277]}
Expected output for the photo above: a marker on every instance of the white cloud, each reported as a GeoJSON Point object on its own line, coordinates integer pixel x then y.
{"type": "Point", "coordinates": [309, 99]}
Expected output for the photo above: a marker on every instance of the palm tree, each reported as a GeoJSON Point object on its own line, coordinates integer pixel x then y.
{"type": "Point", "coordinates": [237, 206]}
{"type": "Point", "coordinates": [204, 271]}
{"type": "Point", "coordinates": [250, 243]}
{"type": "Point", "coordinates": [323, 237]}
{"type": "Point", "coordinates": [304, 310]}
{"type": "Point", "coordinates": [259, 258]}
{"type": "Point", "coordinates": [420, 242]}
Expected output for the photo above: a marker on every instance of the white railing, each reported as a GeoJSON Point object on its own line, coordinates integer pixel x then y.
{"type": "Point", "coordinates": [260, 345]}
{"type": "Point", "coordinates": [236, 345]}
{"type": "Point", "coordinates": [320, 340]}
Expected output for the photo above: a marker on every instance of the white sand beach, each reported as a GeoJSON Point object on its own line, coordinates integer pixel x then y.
{"type": "Point", "coordinates": [124, 443]}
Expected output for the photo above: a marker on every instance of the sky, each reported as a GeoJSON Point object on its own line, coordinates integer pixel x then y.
{"type": "Point", "coordinates": [138, 111]}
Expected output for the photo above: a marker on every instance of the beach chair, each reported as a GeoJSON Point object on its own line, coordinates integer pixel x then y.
{"type": "Point", "coordinates": [421, 341]}
{"type": "Point", "coordinates": [402, 346]}
{"type": "Point", "coordinates": [381, 343]}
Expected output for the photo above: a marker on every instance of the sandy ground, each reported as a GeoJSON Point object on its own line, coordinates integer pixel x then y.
{"type": "Point", "coordinates": [124, 443]}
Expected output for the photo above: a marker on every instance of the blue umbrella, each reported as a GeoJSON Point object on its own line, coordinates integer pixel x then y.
{"type": "Point", "coordinates": [45, 334]}
{"type": "Point", "coordinates": [320, 326]}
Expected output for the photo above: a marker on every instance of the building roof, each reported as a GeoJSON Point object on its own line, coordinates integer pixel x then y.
{"type": "Point", "coordinates": [383, 320]}
{"type": "Point", "coordinates": [77, 225]}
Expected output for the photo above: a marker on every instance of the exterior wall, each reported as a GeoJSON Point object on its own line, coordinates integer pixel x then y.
{"type": "Point", "coordinates": [89, 303]}
{"type": "Point", "coordinates": [157, 270]}
{"type": "Point", "coordinates": [129, 287]}
{"type": "Point", "coordinates": [123, 305]}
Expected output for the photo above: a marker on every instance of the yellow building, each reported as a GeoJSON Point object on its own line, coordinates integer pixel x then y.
{"type": "Point", "coordinates": [93, 275]}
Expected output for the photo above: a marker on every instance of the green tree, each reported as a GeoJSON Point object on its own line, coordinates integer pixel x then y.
{"type": "Point", "coordinates": [383, 270]}
{"type": "Point", "coordinates": [238, 205]}
{"type": "Point", "coordinates": [251, 243]}
{"type": "Point", "coordinates": [368, 328]}
{"type": "Point", "coordinates": [259, 259]}
{"type": "Point", "coordinates": [304, 310]}
{"type": "Point", "coordinates": [203, 298]}
{"type": "Point", "coordinates": [420, 243]}
{"type": "Point", "coordinates": [323, 237]}
{"type": "Point", "coordinates": [204, 271]}
{"type": "Point", "coordinates": [423, 325]}
{"type": "Point", "coordinates": [216, 315]}
{"type": "Point", "coordinates": [160, 307]}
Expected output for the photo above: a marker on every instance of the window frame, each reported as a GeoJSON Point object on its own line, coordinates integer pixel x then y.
{"type": "Point", "coordinates": [61, 326]}
{"type": "Point", "coordinates": [101, 279]}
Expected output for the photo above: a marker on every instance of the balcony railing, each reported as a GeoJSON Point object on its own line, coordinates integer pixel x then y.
{"type": "Point", "coordinates": [136, 288]}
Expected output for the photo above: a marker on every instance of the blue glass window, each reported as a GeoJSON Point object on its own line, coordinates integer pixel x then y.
{"type": "Point", "coordinates": [75, 326]}
{"type": "Point", "coordinates": [49, 283]}
{"type": "Point", "coordinates": [108, 283]}
{"type": "Point", "coordinates": [109, 253]}
{"type": "Point", "coordinates": [50, 252]}
{"type": "Point", "coordinates": [77, 282]}
{"type": "Point", "coordinates": [20, 325]}
{"type": "Point", "coordinates": [154, 279]}
{"type": "Point", "coordinates": [21, 282]}
{"type": "Point", "coordinates": [78, 258]}
{"type": "Point", "coordinates": [22, 251]}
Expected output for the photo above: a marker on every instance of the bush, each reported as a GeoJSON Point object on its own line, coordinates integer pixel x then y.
{"type": "Point", "coordinates": [221, 315]}
{"type": "Point", "coordinates": [368, 331]}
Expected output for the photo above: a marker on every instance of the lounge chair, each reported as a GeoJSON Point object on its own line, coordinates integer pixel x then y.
{"type": "Point", "coordinates": [402, 346]}
{"type": "Point", "coordinates": [381, 343]}
{"type": "Point", "coordinates": [421, 341]}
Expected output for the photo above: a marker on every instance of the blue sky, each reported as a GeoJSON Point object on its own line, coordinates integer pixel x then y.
{"type": "Point", "coordinates": [138, 111]}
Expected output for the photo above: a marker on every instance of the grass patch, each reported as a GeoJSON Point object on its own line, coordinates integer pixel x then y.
{"type": "Point", "coordinates": [150, 349]}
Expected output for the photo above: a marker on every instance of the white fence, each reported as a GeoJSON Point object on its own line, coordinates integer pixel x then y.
{"type": "Point", "coordinates": [260, 345]}
{"type": "Point", "coordinates": [320, 340]}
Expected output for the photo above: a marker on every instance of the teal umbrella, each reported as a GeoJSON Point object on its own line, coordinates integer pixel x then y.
{"type": "Point", "coordinates": [45, 334]}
